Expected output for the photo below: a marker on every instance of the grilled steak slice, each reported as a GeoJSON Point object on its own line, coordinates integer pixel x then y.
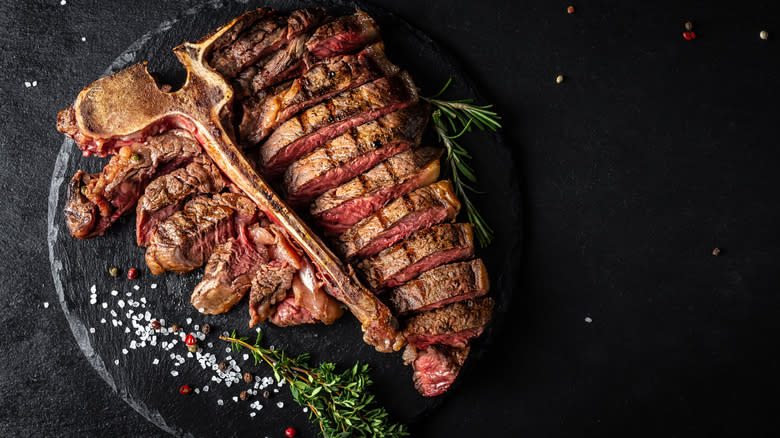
{"type": "Point", "coordinates": [321, 81]}
{"type": "Point", "coordinates": [394, 222]}
{"type": "Point", "coordinates": [265, 35]}
{"type": "Point", "coordinates": [228, 275]}
{"type": "Point", "coordinates": [285, 64]}
{"type": "Point", "coordinates": [453, 325]}
{"type": "Point", "coordinates": [327, 120]}
{"type": "Point", "coordinates": [270, 285]}
{"type": "Point", "coordinates": [441, 286]}
{"type": "Point", "coordinates": [288, 314]}
{"type": "Point", "coordinates": [339, 208]}
{"type": "Point", "coordinates": [345, 34]}
{"type": "Point", "coordinates": [423, 250]}
{"type": "Point", "coordinates": [184, 240]}
{"type": "Point", "coordinates": [166, 194]}
{"type": "Point", "coordinates": [115, 191]}
{"type": "Point", "coordinates": [353, 153]}
{"type": "Point", "coordinates": [435, 368]}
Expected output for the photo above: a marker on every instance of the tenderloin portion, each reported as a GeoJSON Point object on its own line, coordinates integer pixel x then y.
{"type": "Point", "coordinates": [320, 82]}
{"type": "Point", "coordinates": [339, 208]}
{"type": "Point", "coordinates": [453, 325]}
{"type": "Point", "coordinates": [353, 153]}
{"type": "Point", "coordinates": [185, 240]}
{"type": "Point", "coordinates": [422, 208]}
{"type": "Point", "coordinates": [441, 286]}
{"type": "Point", "coordinates": [435, 368]}
{"type": "Point", "coordinates": [342, 35]}
{"type": "Point", "coordinates": [327, 120]}
{"type": "Point", "coordinates": [423, 250]}
{"type": "Point", "coordinates": [270, 285]}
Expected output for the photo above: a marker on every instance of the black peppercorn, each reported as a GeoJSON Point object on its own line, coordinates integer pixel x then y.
{"type": "Point", "coordinates": [175, 328]}
{"type": "Point", "coordinates": [243, 395]}
{"type": "Point", "coordinates": [222, 366]}
{"type": "Point", "coordinates": [205, 329]}
{"type": "Point", "coordinates": [248, 377]}
{"type": "Point", "coordinates": [266, 394]}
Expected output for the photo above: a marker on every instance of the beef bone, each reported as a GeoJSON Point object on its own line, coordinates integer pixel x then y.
{"type": "Point", "coordinates": [129, 105]}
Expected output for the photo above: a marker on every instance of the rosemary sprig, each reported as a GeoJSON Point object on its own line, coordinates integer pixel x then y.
{"type": "Point", "coordinates": [339, 403]}
{"type": "Point", "coordinates": [452, 119]}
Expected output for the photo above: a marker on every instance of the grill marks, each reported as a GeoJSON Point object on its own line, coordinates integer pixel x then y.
{"type": "Point", "coordinates": [342, 35]}
{"type": "Point", "coordinates": [452, 325]}
{"type": "Point", "coordinates": [441, 286]}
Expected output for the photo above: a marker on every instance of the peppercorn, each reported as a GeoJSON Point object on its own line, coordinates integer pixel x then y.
{"type": "Point", "coordinates": [135, 157]}
{"type": "Point", "coordinates": [192, 348]}
{"type": "Point", "coordinates": [244, 395]}
{"type": "Point", "coordinates": [248, 377]}
{"type": "Point", "coordinates": [185, 389]}
{"type": "Point", "coordinates": [290, 432]}
{"type": "Point", "coordinates": [175, 328]}
{"type": "Point", "coordinates": [84, 190]}
{"type": "Point", "coordinates": [156, 325]}
{"type": "Point", "coordinates": [716, 252]}
{"type": "Point", "coordinates": [559, 79]}
{"type": "Point", "coordinates": [222, 366]}
{"type": "Point", "coordinates": [688, 26]}
{"type": "Point", "coordinates": [205, 329]}
{"type": "Point", "coordinates": [570, 10]}
{"type": "Point", "coordinates": [764, 35]}
{"type": "Point", "coordinates": [132, 273]}
{"type": "Point", "coordinates": [689, 35]}
{"type": "Point", "coordinates": [113, 272]}
{"type": "Point", "coordinates": [266, 394]}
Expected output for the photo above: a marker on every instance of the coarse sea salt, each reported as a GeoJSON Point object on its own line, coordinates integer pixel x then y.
{"type": "Point", "coordinates": [155, 361]}
{"type": "Point", "coordinates": [45, 304]}
{"type": "Point", "coordinates": [280, 404]}
{"type": "Point", "coordinates": [153, 286]}
{"type": "Point", "coordinates": [136, 287]}
{"type": "Point", "coordinates": [92, 329]}
{"type": "Point", "coordinates": [116, 362]}
{"type": "Point", "coordinates": [174, 373]}
{"type": "Point", "coordinates": [220, 402]}
{"type": "Point", "coordinates": [588, 319]}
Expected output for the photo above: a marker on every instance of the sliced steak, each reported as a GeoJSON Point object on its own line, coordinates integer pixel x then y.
{"type": "Point", "coordinates": [345, 34]}
{"type": "Point", "coordinates": [115, 190]}
{"type": "Point", "coordinates": [435, 368]}
{"type": "Point", "coordinates": [289, 314]}
{"type": "Point", "coordinates": [280, 66]}
{"type": "Point", "coordinates": [423, 250]}
{"type": "Point", "coordinates": [166, 194]}
{"type": "Point", "coordinates": [270, 285]}
{"type": "Point", "coordinates": [441, 286]}
{"type": "Point", "coordinates": [422, 208]}
{"type": "Point", "coordinates": [452, 325]}
{"type": "Point", "coordinates": [183, 241]}
{"type": "Point", "coordinates": [327, 120]}
{"type": "Point", "coordinates": [268, 33]}
{"type": "Point", "coordinates": [228, 275]}
{"type": "Point", "coordinates": [321, 81]}
{"type": "Point", "coordinates": [341, 207]}
{"type": "Point", "coordinates": [353, 153]}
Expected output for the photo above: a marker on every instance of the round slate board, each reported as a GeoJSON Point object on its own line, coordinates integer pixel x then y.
{"type": "Point", "coordinates": [148, 376]}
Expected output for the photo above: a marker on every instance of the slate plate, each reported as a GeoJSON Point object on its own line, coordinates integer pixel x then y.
{"type": "Point", "coordinates": [97, 305]}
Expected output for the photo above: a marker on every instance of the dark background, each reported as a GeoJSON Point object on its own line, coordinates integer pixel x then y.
{"type": "Point", "coordinates": [654, 151]}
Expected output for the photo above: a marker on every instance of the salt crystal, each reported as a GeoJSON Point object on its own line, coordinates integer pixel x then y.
{"type": "Point", "coordinates": [35, 83]}
{"type": "Point", "coordinates": [189, 354]}
{"type": "Point", "coordinates": [153, 286]}
{"type": "Point", "coordinates": [93, 301]}
{"type": "Point", "coordinates": [235, 399]}
{"type": "Point", "coordinates": [210, 344]}
{"type": "Point", "coordinates": [83, 38]}
{"type": "Point", "coordinates": [220, 402]}
{"type": "Point", "coordinates": [113, 313]}
{"type": "Point", "coordinates": [280, 404]}
{"type": "Point", "coordinates": [276, 391]}
{"type": "Point", "coordinates": [189, 320]}
{"type": "Point", "coordinates": [252, 414]}
{"type": "Point", "coordinates": [133, 345]}
{"type": "Point", "coordinates": [114, 293]}
{"type": "Point", "coordinates": [305, 409]}
{"type": "Point", "coordinates": [93, 289]}
{"type": "Point", "coordinates": [246, 357]}
{"type": "Point", "coordinates": [27, 84]}
{"type": "Point", "coordinates": [588, 319]}
{"type": "Point", "coordinates": [143, 300]}
{"type": "Point", "coordinates": [155, 361]}
{"type": "Point", "coordinates": [162, 321]}
{"type": "Point", "coordinates": [103, 320]}
{"type": "Point", "coordinates": [136, 287]}
{"type": "Point", "coordinates": [147, 316]}
{"type": "Point", "coordinates": [121, 303]}
{"type": "Point", "coordinates": [63, 2]}
{"type": "Point", "coordinates": [129, 294]}
{"type": "Point", "coordinates": [116, 362]}
{"type": "Point", "coordinates": [206, 388]}
{"type": "Point", "coordinates": [113, 322]}
{"type": "Point", "coordinates": [174, 373]}
{"type": "Point", "coordinates": [92, 329]}
{"type": "Point", "coordinates": [196, 327]}
{"type": "Point", "coordinates": [45, 304]}
{"type": "Point", "coordinates": [197, 390]}
{"type": "Point", "coordinates": [227, 350]}
{"type": "Point", "coordinates": [127, 329]}
{"type": "Point", "coordinates": [124, 351]}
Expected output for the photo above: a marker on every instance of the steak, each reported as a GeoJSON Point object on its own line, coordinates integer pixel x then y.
{"type": "Point", "coordinates": [435, 368]}
{"type": "Point", "coordinates": [452, 325]}
{"type": "Point", "coordinates": [339, 208]}
{"type": "Point", "coordinates": [342, 35]}
{"type": "Point", "coordinates": [267, 32]}
{"type": "Point", "coordinates": [227, 276]}
{"type": "Point", "coordinates": [422, 208]}
{"type": "Point", "coordinates": [327, 120]}
{"type": "Point", "coordinates": [270, 285]}
{"type": "Point", "coordinates": [441, 286]}
{"type": "Point", "coordinates": [116, 189]}
{"type": "Point", "coordinates": [183, 241]}
{"type": "Point", "coordinates": [166, 194]}
{"type": "Point", "coordinates": [278, 67]}
{"type": "Point", "coordinates": [353, 153]}
{"type": "Point", "coordinates": [321, 81]}
{"type": "Point", "coordinates": [288, 313]}
{"type": "Point", "coordinates": [423, 250]}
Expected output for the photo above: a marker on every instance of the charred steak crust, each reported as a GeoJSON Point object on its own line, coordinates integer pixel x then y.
{"type": "Point", "coordinates": [452, 325]}
{"type": "Point", "coordinates": [331, 118]}
{"type": "Point", "coordinates": [440, 286]}
{"type": "Point", "coordinates": [341, 207]}
{"type": "Point", "coordinates": [81, 215]}
{"type": "Point", "coordinates": [354, 152]}
{"type": "Point", "coordinates": [342, 35]}
{"type": "Point", "coordinates": [320, 82]}
{"type": "Point", "coordinates": [270, 285]}
{"type": "Point", "coordinates": [422, 208]}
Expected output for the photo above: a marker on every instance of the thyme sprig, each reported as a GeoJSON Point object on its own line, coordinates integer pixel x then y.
{"type": "Point", "coordinates": [452, 119]}
{"type": "Point", "coordinates": [338, 403]}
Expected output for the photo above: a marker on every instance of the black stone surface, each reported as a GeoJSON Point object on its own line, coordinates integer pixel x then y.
{"type": "Point", "coordinates": [653, 151]}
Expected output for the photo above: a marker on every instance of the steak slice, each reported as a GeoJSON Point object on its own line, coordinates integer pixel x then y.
{"type": "Point", "coordinates": [345, 34]}
{"type": "Point", "coordinates": [228, 275]}
{"type": "Point", "coordinates": [268, 33]}
{"type": "Point", "coordinates": [166, 194]}
{"type": "Point", "coordinates": [321, 81]}
{"type": "Point", "coordinates": [353, 153]}
{"type": "Point", "coordinates": [270, 285]}
{"type": "Point", "coordinates": [327, 120]}
{"type": "Point", "coordinates": [436, 367]}
{"type": "Point", "coordinates": [289, 314]}
{"type": "Point", "coordinates": [452, 325]}
{"type": "Point", "coordinates": [184, 240]}
{"type": "Point", "coordinates": [115, 190]}
{"type": "Point", "coordinates": [280, 66]}
{"type": "Point", "coordinates": [422, 208]}
{"type": "Point", "coordinates": [423, 250]}
{"type": "Point", "coordinates": [441, 286]}
{"type": "Point", "coordinates": [339, 208]}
